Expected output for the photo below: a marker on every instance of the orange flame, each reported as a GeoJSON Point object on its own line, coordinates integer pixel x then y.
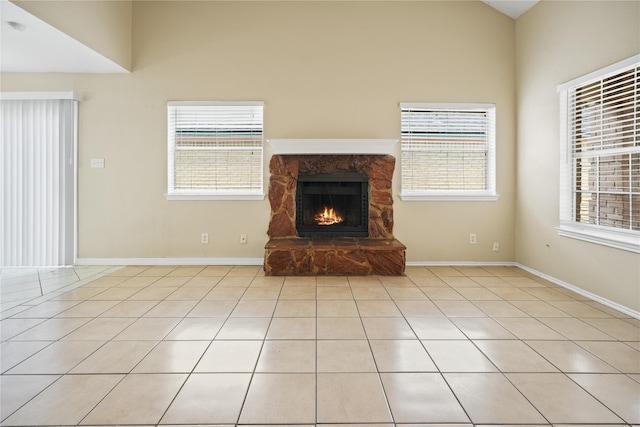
{"type": "Point", "coordinates": [328, 217]}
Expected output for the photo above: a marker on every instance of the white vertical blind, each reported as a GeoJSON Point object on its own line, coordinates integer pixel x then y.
{"type": "Point", "coordinates": [37, 182]}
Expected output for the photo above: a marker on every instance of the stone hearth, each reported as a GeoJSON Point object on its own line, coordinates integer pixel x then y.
{"type": "Point", "coordinates": [287, 254]}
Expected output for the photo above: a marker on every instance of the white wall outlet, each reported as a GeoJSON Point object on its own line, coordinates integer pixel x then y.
{"type": "Point", "coordinates": [204, 238]}
{"type": "Point", "coordinates": [472, 239]}
{"type": "Point", "coordinates": [97, 163]}
{"type": "Point", "coordinates": [496, 246]}
{"type": "Point", "coordinates": [243, 239]}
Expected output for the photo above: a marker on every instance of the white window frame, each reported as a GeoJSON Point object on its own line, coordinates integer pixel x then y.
{"type": "Point", "coordinates": [211, 194]}
{"type": "Point", "coordinates": [608, 236]}
{"type": "Point", "coordinates": [487, 194]}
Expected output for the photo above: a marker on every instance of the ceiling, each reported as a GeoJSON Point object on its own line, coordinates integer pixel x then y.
{"type": "Point", "coordinates": [28, 44]}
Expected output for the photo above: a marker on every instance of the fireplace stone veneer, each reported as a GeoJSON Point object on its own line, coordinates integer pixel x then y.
{"type": "Point", "coordinates": [287, 254]}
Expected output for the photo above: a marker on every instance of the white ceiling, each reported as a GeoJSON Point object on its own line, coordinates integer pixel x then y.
{"type": "Point", "coordinates": [35, 46]}
{"type": "Point", "coordinates": [28, 44]}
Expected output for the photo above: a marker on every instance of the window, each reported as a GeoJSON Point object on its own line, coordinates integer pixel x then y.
{"type": "Point", "coordinates": [448, 151]}
{"type": "Point", "coordinates": [600, 156]}
{"type": "Point", "coordinates": [215, 150]}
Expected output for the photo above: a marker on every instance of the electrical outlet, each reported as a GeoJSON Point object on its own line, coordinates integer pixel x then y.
{"type": "Point", "coordinates": [496, 246]}
{"type": "Point", "coordinates": [97, 163]}
{"type": "Point", "coordinates": [243, 239]}
{"type": "Point", "coordinates": [472, 239]}
{"type": "Point", "coordinates": [204, 238]}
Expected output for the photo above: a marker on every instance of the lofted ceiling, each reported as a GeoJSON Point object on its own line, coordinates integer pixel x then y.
{"type": "Point", "coordinates": [28, 44]}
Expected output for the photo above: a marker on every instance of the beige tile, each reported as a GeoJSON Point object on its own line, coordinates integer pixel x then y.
{"type": "Point", "coordinates": [337, 308]}
{"type": "Point", "coordinates": [49, 330]}
{"type": "Point", "coordinates": [261, 293]}
{"type": "Point", "coordinates": [619, 329]}
{"type": "Point", "coordinates": [254, 308]}
{"type": "Point", "coordinates": [185, 271]}
{"type": "Point", "coordinates": [297, 293]}
{"type": "Point", "coordinates": [172, 356]}
{"type": "Point", "coordinates": [14, 352]}
{"type": "Point", "coordinates": [58, 358]}
{"type": "Point", "coordinates": [66, 401]}
{"type": "Point", "coordinates": [445, 271]}
{"type": "Point", "coordinates": [149, 328]}
{"type": "Point", "coordinates": [409, 293]}
{"type": "Point", "coordinates": [196, 328]}
{"type": "Point", "coordinates": [370, 293]}
{"type": "Point", "coordinates": [401, 356]}
{"type": "Point", "coordinates": [458, 356]}
{"type": "Point", "coordinates": [539, 309]}
{"type": "Point", "coordinates": [280, 399]}
{"type": "Point", "coordinates": [560, 400]}
{"type": "Point", "coordinates": [209, 399]}
{"type": "Point", "coordinates": [492, 282]}
{"type": "Point", "coordinates": [372, 308]}
{"type": "Point", "coordinates": [9, 328]}
{"type": "Point", "coordinates": [244, 328]}
{"type": "Point", "coordinates": [45, 310]}
{"type": "Point", "coordinates": [459, 309]}
{"type": "Point", "coordinates": [129, 309]}
{"type": "Point", "coordinates": [478, 294]}
{"type": "Point", "coordinates": [16, 390]}
{"type": "Point", "coordinates": [418, 308]}
{"type": "Point", "coordinates": [203, 281]}
{"type": "Point", "coordinates": [523, 282]}
{"type": "Point", "coordinates": [340, 328]}
{"type": "Point", "coordinates": [351, 398]}
{"type": "Point", "coordinates": [435, 328]}
{"type": "Point", "coordinates": [129, 271]}
{"type": "Point", "coordinates": [189, 293]}
{"type": "Point", "coordinates": [460, 282]}
{"type": "Point", "coordinates": [442, 294]}
{"type": "Point", "coordinates": [268, 282]}
{"type": "Point", "coordinates": [158, 271]}
{"type": "Point", "coordinates": [332, 281]}
{"type": "Point", "coordinates": [88, 309]}
{"type": "Point", "coordinates": [364, 280]}
{"type": "Point", "coordinates": [483, 328]}
{"type": "Point", "coordinates": [619, 355]}
{"type": "Point", "coordinates": [575, 329]}
{"type": "Point", "coordinates": [529, 329]}
{"type": "Point", "coordinates": [421, 398]}
{"type": "Point", "coordinates": [115, 357]}
{"type": "Point", "coordinates": [296, 308]}
{"type": "Point", "coordinates": [619, 393]}
{"type": "Point", "coordinates": [230, 356]}
{"type": "Point", "coordinates": [304, 281]}
{"type": "Point", "coordinates": [287, 356]}
{"type": "Point", "coordinates": [119, 293]}
{"type": "Point", "coordinates": [345, 356]}
{"type": "Point", "coordinates": [224, 293]}
{"type": "Point", "coordinates": [215, 270]}
{"type": "Point", "coordinates": [292, 328]}
{"type": "Point", "coordinates": [213, 308]}
{"type": "Point", "coordinates": [499, 309]}
{"type": "Point", "coordinates": [505, 406]}
{"type": "Point", "coordinates": [333, 292]}
{"type": "Point", "coordinates": [101, 328]}
{"type": "Point", "coordinates": [579, 309]}
{"type": "Point", "coordinates": [244, 270]}
{"type": "Point", "coordinates": [387, 328]}
{"type": "Point", "coordinates": [138, 281]}
{"type": "Point", "coordinates": [170, 281]}
{"type": "Point", "coordinates": [153, 294]}
{"type": "Point", "coordinates": [429, 282]}
{"type": "Point", "coordinates": [514, 356]}
{"type": "Point", "coordinates": [236, 281]}
{"type": "Point", "coordinates": [417, 271]}
{"type": "Point", "coordinates": [395, 281]}
{"type": "Point", "coordinates": [137, 399]}
{"type": "Point", "coordinates": [569, 357]}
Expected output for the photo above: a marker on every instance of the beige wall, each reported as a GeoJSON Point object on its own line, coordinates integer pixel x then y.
{"type": "Point", "coordinates": [557, 42]}
{"type": "Point", "coordinates": [103, 25]}
{"type": "Point", "coordinates": [324, 70]}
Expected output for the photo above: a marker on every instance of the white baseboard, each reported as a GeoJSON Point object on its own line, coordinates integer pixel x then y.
{"type": "Point", "coordinates": [170, 261]}
{"type": "Point", "coordinates": [597, 298]}
{"type": "Point", "coordinates": [461, 263]}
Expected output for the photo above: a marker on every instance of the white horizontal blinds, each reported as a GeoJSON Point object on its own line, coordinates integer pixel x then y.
{"type": "Point", "coordinates": [215, 148]}
{"type": "Point", "coordinates": [605, 150]}
{"type": "Point", "coordinates": [445, 148]}
{"type": "Point", "coordinates": [37, 182]}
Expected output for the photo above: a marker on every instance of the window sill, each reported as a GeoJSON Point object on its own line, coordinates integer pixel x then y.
{"type": "Point", "coordinates": [619, 239]}
{"type": "Point", "coordinates": [450, 197]}
{"type": "Point", "coordinates": [248, 196]}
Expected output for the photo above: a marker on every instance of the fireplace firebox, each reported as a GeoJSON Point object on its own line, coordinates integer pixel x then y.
{"type": "Point", "coordinates": [332, 205]}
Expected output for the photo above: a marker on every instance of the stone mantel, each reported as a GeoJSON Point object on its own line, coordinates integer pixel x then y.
{"type": "Point", "coordinates": [332, 146]}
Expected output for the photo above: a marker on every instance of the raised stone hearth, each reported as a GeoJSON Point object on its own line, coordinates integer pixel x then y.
{"type": "Point", "coordinates": [287, 254]}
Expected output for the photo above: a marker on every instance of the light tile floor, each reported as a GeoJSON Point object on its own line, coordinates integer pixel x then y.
{"type": "Point", "coordinates": [227, 346]}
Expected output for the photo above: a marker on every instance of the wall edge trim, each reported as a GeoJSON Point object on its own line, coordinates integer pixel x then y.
{"type": "Point", "coordinates": [171, 261]}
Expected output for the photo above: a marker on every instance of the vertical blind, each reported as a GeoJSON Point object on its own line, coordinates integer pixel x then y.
{"type": "Point", "coordinates": [215, 148]}
{"type": "Point", "coordinates": [37, 182]}
{"type": "Point", "coordinates": [446, 149]}
{"type": "Point", "coordinates": [605, 150]}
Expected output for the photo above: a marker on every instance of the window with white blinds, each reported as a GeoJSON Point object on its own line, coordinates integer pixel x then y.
{"type": "Point", "coordinates": [601, 162]}
{"type": "Point", "coordinates": [215, 150]}
{"type": "Point", "coordinates": [448, 151]}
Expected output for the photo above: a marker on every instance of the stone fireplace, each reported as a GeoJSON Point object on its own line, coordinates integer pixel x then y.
{"type": "Point", "coordinates": [332, 210]}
